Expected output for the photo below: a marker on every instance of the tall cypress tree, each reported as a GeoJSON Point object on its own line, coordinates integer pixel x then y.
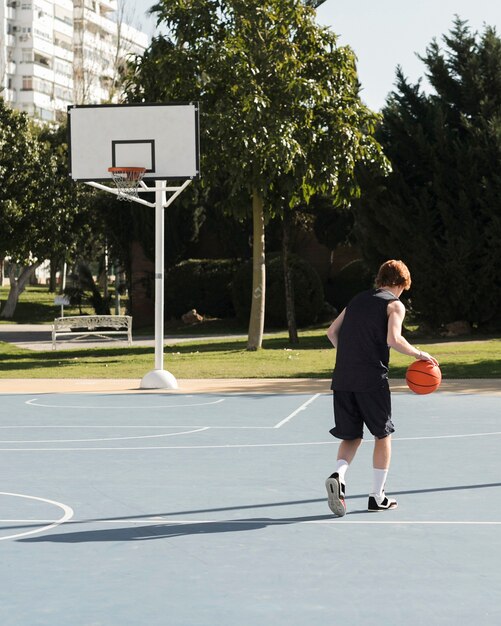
{"type": "Point", "coordinates": [440, 209]}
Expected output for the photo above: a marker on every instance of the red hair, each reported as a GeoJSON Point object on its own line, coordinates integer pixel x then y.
{"type": "Point", "coordinates": [394, 274]}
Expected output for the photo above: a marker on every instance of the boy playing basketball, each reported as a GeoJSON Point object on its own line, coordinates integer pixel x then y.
{"type": "Point", "coordinates": [363, 333]}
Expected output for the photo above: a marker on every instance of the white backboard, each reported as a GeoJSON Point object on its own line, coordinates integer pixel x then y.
{"type": "Point", "coordinates": [163, 138]}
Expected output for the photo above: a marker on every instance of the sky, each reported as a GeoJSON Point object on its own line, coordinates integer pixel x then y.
{"type": "Point", "coordinates": [387, 33]}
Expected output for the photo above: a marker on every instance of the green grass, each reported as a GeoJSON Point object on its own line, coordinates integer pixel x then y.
{"type": "Point", "coordinates": [313, 358]}
{"type": "Point", "coordinates": [213, 358]}
{"type": "Point", "coordinates": [36, 306]}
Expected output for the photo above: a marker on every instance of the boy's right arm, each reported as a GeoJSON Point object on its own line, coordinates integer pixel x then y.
{"type": "Point", "coordinates": [333, 330]}
{"type": "Point", "coordinates": [396, 314]}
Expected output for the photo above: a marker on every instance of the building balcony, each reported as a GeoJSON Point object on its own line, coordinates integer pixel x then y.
{"type": "Point", "coordinates": [45, 73]}
{"type": "Point", "coordinates": [25, 96]}
{"type": "Point", "coordinates": [66, 4]}
{"type": "Point", "coordinates": [63, 80]}
{"type": "Point", "coordinates": [46, 47]}
{"type": "Point", "coordinates": [108, 5]}
{"type": "Point", "coordinates": [65, 29]}
{"type": "Point", "coordinates": [9, 95]}
{"type": "Point", "coordinates": [42, 100]}
{"type": "Point", "coordinates": [63, 53]}
{"type": "Point", "coordinates": [96, 22]}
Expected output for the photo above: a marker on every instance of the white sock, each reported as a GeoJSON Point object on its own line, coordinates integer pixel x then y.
{"type": "Point", "coordinates": [341, 469]}
{"type": "Point", "coordinates": [379, 481]}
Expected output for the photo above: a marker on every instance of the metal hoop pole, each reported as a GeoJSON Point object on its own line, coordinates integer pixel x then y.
{"type": "Point", "coordinates": [159, 273]}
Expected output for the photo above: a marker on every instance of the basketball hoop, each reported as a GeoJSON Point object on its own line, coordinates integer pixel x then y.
{"type": "Point", "coordinates": [127, 180]}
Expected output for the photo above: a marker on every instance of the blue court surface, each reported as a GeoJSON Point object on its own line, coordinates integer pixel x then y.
{"type": "Point", "coordinates": [157, 509]}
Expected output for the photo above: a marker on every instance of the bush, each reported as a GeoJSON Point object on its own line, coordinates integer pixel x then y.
{"type": "Point", "coordinates": [353, 278]}
{"type": "Point", "coordinates": [308, 292]}
{"type": "Point", "coordinates": [201, 284]}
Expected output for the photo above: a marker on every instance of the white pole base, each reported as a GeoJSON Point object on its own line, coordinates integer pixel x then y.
{"type": "Point", "coordinates": [159, 379]}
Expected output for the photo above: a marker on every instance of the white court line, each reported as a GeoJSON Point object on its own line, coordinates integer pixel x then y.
{"type": "Point", "coordinates": [186, 432]}
{"type": "Point", "coordinates": [443, 437]}
{"type": "Point", "coordinates": [285, 522]}
{"type": "Point", "coordinates": [268, 522]}
{"type": "Point", "coordinates": [34, 402]}
{"type": "Point", "coordinates": [68, 514]}
{"type": "Point", "coordinates": [94, 426]}
{"type": "Point", "coordinates": [294, 413]}
{"type": "Point", "coordinates": [138, 448]}
{"type": "Point", "coordinates": [235, 445]}
{"type": "Point", "coordinates": [120, 427]}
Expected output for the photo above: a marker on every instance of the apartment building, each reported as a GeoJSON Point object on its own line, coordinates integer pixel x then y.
{"type": "Point", "coordinates": [54, 53]}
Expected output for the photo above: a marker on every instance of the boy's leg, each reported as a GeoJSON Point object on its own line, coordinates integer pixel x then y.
{"type": "Point", "coordinates": [349, 428]}
{"type": "Point", "coordinates": [335, 484]}
{"type": "Point", "coordinates": [346, 454]}
{"type": "Point", "coordinates": [378, 501]}
{"type": "Point", "coordinates": [382, 453]}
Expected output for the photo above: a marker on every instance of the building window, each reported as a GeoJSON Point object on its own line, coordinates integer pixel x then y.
{"type": "Point", "coordinates": [27, 83]}
{"type": "Point", "coordinates": [27, 55]}
{"type": "Point", "coordinates": [44, 114]}
{"type": "Point", "coordinates": [64, 68]}
{"type": "Point", "coordinates": [43, 86]}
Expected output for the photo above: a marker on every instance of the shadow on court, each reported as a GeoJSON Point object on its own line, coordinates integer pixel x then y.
{"type": "Point", "coordinates": [168, 530]}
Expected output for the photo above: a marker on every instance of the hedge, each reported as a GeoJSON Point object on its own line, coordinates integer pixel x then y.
{"type": "Point", "coordinates": [201, 284]}
{"type": "Point", "coordinates": [308, 291]}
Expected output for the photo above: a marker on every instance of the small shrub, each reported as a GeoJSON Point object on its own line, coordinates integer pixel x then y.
{"type": "Point", "coordinates": [201, 284]}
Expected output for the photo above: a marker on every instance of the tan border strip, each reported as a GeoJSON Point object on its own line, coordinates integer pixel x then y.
{"type": "Point", "coordinates": [266, 385]}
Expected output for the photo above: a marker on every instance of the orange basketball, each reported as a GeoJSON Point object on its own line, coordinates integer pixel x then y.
{"type": "Point", "coordinates": [423, 377]}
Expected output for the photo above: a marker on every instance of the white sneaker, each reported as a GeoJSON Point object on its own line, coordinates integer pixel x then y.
{"type": "Point", "coordinates": [381, 503]}
{"type": "Point", "coordinates": [336, 491]}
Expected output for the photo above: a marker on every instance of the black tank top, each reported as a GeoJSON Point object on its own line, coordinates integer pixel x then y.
{"type": "Point", "coordinates": [362, 351]}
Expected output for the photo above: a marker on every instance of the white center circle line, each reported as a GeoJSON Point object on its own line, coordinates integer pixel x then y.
{"type": "Point", "coordinates": [185, 432]}
{"type": "Point", "coordinates": [35, 402]}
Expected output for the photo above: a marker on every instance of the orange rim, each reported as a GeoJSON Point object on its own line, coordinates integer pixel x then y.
{"type": "Point", "coordinates": [127, 169]}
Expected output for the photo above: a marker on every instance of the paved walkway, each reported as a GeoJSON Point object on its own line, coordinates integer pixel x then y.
{"type": "Point", "coordinates": [38, 337]}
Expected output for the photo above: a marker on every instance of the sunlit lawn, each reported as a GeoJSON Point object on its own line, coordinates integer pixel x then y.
{"type": "Point", "coordinates": [312, 358]}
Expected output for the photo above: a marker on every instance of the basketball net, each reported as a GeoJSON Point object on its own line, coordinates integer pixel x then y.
{"type": "Point", "coordinates": [127, 180]}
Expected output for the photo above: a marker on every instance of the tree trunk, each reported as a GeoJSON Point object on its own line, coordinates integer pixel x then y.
{"type": "Point", "coordinates": [288, 282]}
{"type": "Point", "coordinates": [256, 323]}
{"type": "Point", "coordinates": [16, 288]}
{"type": "Point", "coordinates": [52, 277]}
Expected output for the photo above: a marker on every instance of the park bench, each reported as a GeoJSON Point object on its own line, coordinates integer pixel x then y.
{"type": "Point", "coordinates": [79, 327]}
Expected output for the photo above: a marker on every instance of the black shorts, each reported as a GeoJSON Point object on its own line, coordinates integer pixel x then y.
{"type": "Point", "coordinates": [353, 409]}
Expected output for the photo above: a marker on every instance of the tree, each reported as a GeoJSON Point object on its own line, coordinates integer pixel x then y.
{"type": "Point", "coordinates": [41, 211]}
{"type": "Point", "coordinates": [281, 114]}
{"type": "Point", "coordinates": [19, 159]}
{"type": "Point", "coordinates": [439, 210]}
